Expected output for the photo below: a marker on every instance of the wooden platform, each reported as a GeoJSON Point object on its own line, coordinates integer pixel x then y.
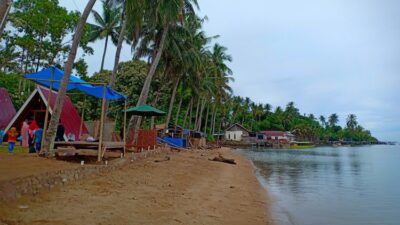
{"type": "Point", "coordinates": [109, 149]}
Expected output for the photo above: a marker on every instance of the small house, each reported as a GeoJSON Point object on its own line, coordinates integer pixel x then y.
{"type": "Point", "coordinates": [277, 136]}
{"type": "Point", "coordinates": [236, 132]}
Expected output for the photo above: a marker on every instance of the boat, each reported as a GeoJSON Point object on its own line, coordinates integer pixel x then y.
{"type": "Point", "coordinates": [301, 144]}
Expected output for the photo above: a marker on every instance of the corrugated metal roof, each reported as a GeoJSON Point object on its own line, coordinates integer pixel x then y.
{"type": "Point", "coordinates": [7, 110]}
{"type": "Point", "coordinates": [273, 133]}
{"type": "Point", "coordinates": [237, 125]}
{"type": "Point", "coordinates": [69, 117]}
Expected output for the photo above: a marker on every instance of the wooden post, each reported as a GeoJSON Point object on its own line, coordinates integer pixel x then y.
{"type": "Point", "coordinates": [124, 130]}
{"type": "Point", "coordinates": [103, 105]}
{"type": "Point", "coordinates": [46, 117]}
{"type": "Point", "coordinates": [82, 119]}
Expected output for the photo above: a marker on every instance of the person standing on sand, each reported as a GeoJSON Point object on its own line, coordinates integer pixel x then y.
{"type": "Point", "coordinates": [60, 132]}
{"type": "Point", "coordinates": [38, 134]}
{"type": "Point", "coordinates": [1, 136]}
{"type": "Point", "coordinates": [32, 127]}
{"type": "Point", "coordinates": [25, 133]}
{"type": "Point", "coordinates": [12, 135]}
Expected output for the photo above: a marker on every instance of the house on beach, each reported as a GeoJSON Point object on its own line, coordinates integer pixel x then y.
{"type": "Point", "coordinates": [277, 136]}
{"type": "Point", "coordinates": [237, 132]}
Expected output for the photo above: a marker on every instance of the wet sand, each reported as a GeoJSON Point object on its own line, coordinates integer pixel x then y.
{"type": "Point", "coordinates": [187, 189]}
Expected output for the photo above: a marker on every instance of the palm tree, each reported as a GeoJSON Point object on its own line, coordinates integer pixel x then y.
{"type": "Point", "coordinates": [182, 54]}
{"type": "Point", "coordinates": [5, 6]}
{"type": "Point", "coordinates": [107, 25]}
{"type": "Point", "coordinates": [267, 108]}
{"type": "Point", "coordinates": [135, 17]}
{"type": "Point", "coordinates": [323, 120]}
{"type": "Point", "coordinates": [51, 132]}
{"type": "Point", "coordinates": [351, 121]}
{"type": "Point", "coordinates": [333, 120]}
{"type": "Point", "coordinates": [160, 17]}
{"type": "Point", "coordinates": [222, 73]}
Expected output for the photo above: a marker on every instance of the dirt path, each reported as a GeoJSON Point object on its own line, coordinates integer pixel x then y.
{"type": "Point", "coordinates": [22, 165]}
{"type": "Point", "coordinates": [188, 189]}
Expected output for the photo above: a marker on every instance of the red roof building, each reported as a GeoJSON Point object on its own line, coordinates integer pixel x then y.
{"type": "Point", "coordinates": [277, 135]}
{"type": "Point", "coordinates": [7, 110]}
{"type": "Point", "coordinates": [35, 108]}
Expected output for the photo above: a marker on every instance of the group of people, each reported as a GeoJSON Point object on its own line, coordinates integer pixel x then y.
{"type": "Point", "coordinates": [32, 133]}
{"type": "Point", "coordinates": [30, 137]}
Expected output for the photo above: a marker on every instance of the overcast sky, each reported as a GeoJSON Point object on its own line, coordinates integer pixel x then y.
{"type": "Point", "coordinates": [328, 56]}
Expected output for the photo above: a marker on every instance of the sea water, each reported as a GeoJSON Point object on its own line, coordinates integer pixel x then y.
{"type": "Point", "coordinates": [331, 186]}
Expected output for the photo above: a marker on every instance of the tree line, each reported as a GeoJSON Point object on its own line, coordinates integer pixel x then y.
{"type": "Point", "coordinates": [175, 66]}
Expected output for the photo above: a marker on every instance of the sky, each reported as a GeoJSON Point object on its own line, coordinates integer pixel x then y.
{"type": "Point", "coordinates": [328, 56]}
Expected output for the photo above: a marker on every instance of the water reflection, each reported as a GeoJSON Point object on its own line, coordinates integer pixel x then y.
{"type": "Point", "coordinates": [292, 168]}
{"type": "Point", "coordinates": [354, 183]}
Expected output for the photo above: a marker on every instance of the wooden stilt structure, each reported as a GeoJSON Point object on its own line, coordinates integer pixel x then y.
{"type": "Point", "coordinates": [103, 106]}
{"type": "Point", "coordinates": [46, 117]}
{"type": "Point", "coordinates": [82, 119]}
{"type": "Point", "coordinates": [124, 130]}
{"type": "Point", "coordinates": [102, 146]}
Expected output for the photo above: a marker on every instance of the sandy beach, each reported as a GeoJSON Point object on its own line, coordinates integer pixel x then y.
{"type": "Point", "coordinates": [187, 189]}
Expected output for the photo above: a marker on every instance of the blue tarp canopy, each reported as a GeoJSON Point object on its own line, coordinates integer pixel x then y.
{"type": "Point", "coordinates": [75, 83]}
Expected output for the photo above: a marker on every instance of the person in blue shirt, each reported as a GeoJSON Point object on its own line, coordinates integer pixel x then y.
{"type": "Point", "coordinates": [38, 134]}
{"type": "Point", "coordinates": [1, 136]}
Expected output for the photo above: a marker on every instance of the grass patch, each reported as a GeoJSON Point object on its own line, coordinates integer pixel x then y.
{"type": "Point", "coordinates": [17, 149]}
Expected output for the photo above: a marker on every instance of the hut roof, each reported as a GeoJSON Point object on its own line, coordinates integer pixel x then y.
{"type": "Point", "coordinates": [273, 133]}
{"type": "Point", "coordinates": [7, 111]}
{"type": "Point", "coordinates": [69, 116]}
{"type": "Point", "coordinates": [239, 126]}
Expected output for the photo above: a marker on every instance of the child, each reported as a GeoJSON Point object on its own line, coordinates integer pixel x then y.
{"type": "Point", "coordinates": [38, 134]}
{"type": "Point", "coordinates": [12, 138]}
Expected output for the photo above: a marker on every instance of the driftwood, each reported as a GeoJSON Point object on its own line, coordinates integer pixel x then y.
{"type": "Point", "coordinates": [220, 158]}
{"type": "Point", "coordinates": [167, 158]}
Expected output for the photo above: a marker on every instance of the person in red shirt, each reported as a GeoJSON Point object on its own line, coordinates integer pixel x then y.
{"type": "Point", "coordinates": [12, 135]}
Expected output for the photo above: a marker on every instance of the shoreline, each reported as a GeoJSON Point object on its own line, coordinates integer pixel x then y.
{"type": "Point", "coordinates": [187, 189]}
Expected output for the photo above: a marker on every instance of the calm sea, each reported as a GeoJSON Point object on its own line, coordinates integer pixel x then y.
{"type": "Point", "coordinates": [331, 186]}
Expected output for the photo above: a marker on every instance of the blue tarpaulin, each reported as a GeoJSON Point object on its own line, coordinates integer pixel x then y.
{"type": "Point", "coordinates": [175, 141]}
{"type": "Point", "coordinates": [75, 83]}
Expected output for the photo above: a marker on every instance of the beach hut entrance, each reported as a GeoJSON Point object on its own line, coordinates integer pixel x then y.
{"type": "Point", "coordinates": [51, 78]}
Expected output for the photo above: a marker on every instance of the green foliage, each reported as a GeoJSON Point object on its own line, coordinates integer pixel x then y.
{"type": "Point", "coordinates": [18, 88]}
{"type": "Point", "coordinates": [306, 127]}
{"type": "Point", "coordinates": [39, 34]}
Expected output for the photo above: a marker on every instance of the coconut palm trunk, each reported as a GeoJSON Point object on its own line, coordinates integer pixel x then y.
{"type": "Point", "coordinates": [197, 114]}
{"type": "Point", "coordinates": [118, 52]}
{"type": "Point", "coordinates": [213, 120]}
{"type": "Point", "coordinates": [134, 121]}
{"type": "Point", "coordinates": [187, 113]}
{"type": "Point", "coordinates": [104, 54]}
{"type": "Point", "coordinates": [178, 111]}
{"type": "Point", "coordinates": [51, 132]}
{"type": "Point", "coordinates": [171, 102]}
{"type": "Point", "coordinates": [117, 55]}
{"type": "Point", "coordinates": [5, 6]}
{"type": "Point", "coordinates": [206, 122]}
{"type": "Point", "coordinates": [199, 122]}
{"type": "Point", "coordinates": [190, 115]}
{"type": "Point", "coordinates": [154, 103]}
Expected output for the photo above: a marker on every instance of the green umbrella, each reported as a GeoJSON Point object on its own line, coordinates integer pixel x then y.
{"type": "Point", "coordinates": [145, 110]}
